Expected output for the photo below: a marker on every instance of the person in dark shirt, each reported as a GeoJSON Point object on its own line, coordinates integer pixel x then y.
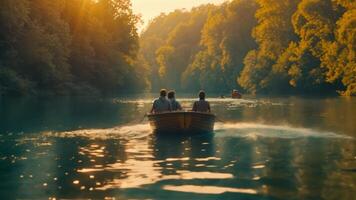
{"type": "Point", "coordinates": [174, 103]}
{"type": "Point", "coordinates": [201, 105]}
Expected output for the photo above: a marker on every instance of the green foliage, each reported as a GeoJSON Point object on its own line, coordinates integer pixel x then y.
{"type": "Point", "coordinates": [70, 46]}
{"type": "Point", "coordinates": [226, 39]}
{"type": "Point", "coordinates": [340, 53]}
{"type": "Point", "coordinates": [12, 83]}
{"type": "Point", "coordinates": [313, 54]}
{"type": "Point", "coordinates": [273, 34]}
{"type": "Point", "coordinates": [203, 50]}
{"type": "Point", "coordinates": [180, 46]}
{"type": "Point", "coordinates": [154, 37]}
{"type": "Point", "coordinates": [261, 46]}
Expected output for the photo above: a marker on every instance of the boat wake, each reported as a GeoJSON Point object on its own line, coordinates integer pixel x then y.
{"type": "Point", "coordinates": [243, 130]}
{"type": "Point", "coordinates": [254, 130]}
{"type": "Point", "coordinates": [135, 131]}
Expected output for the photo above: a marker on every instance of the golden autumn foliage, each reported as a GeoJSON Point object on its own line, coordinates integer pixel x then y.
{"type": "Point", "coordinates": [261, 46]}
{"type": "Point", "coordinates": [68, 47]}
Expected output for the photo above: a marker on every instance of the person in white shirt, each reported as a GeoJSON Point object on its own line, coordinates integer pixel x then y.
{"type": "Point", "coordinates": [161, 104]}
{"type": "Point", "coordinates": [174, 103]}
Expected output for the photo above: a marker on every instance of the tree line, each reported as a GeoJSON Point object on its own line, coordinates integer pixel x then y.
{"type": "Point", "coordinates": [69, 47]}
{"type": "Point", "coordinates": [259, 46]}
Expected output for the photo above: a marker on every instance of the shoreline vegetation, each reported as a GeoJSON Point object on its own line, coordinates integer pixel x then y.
{"type": "Point", "coordinates": [85, 47]}
{"type": "Point", "coordinates": [69, 47]}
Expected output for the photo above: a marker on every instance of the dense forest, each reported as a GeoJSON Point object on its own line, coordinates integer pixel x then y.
{"type": "Point", "coordinates": [71, 47]}
{"type": "Point", "coordinates": [261, 46]}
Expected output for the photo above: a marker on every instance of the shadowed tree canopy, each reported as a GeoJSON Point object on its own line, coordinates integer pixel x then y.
{"type": "Point", "coordinates": [68, 46]}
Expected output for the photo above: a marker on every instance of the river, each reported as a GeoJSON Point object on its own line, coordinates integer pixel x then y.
{"type": "Point", "coordinates": [262, 148]}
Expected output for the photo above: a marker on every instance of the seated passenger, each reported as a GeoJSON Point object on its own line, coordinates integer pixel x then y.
{"type": "Point", "coordinates": [201, 105]}
{"type": "Point", "coordinates": [235, 94]}
{"type": "Point", "coordinates": [174, 103]}
{"type": "Point", "coordinates": [161, 104]}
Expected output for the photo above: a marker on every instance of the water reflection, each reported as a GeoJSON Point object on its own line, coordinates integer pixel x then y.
{"type": "Point", "coordinates": [147, 160]}
{"type": "Point", "coordinates": [207, 189]}
{"type": "Point", "coordinates": [264, 158]}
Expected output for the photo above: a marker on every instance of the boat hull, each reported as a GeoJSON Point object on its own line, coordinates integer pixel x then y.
{"type": "Point", "coordinates": [182, 122]}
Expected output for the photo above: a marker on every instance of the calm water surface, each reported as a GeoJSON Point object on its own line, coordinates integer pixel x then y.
{"type": "Point", "coordinates": [262, 148]}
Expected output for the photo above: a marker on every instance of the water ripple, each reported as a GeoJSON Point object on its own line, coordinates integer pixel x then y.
{"type": "Point", "coordinates": [136, 131]}
{"type": "Point", "coordinates": [207, 189]}
{"type": "Point", "coordinates": [254, 130]}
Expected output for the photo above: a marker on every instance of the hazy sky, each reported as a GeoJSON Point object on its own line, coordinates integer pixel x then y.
{"type": "Point", "coordinates": [151, 8]}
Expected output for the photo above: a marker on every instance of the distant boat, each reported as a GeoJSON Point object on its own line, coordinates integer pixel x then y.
{"type": "Point", "coordinates": [182, 122]}
{"type": "Point", "coordinates": [236, 95]}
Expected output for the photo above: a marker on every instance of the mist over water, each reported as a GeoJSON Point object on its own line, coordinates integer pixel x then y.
{"type": "Point", "coordinates": [274, 131]}
{"type": "Point", "coordinates": [221, 130]}
{"type": "Point", "coordinates": [261, 148]}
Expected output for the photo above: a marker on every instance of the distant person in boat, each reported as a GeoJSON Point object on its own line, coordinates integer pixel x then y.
{"type": "Point", "coordinates": [175, 105]}
{"type": "Point", "coordinates": [236, 94]}
{"type": "Point", "coordinates": [201, 105]}
{"type": "Point", "coordinates": [161, 104]}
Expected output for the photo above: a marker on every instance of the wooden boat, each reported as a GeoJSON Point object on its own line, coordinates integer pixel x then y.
{"type": "Point", "coordinates": [236, 95]}
{"type": "Point", "coordinates": [182, 122]}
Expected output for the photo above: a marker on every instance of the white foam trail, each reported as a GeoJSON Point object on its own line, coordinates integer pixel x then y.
{"type": "Point", "coordinates": [135, 131]}
{"type": "Point", "coordinates": [247, 130]}
{"type": "Point", "coordinates": [253, 130]}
